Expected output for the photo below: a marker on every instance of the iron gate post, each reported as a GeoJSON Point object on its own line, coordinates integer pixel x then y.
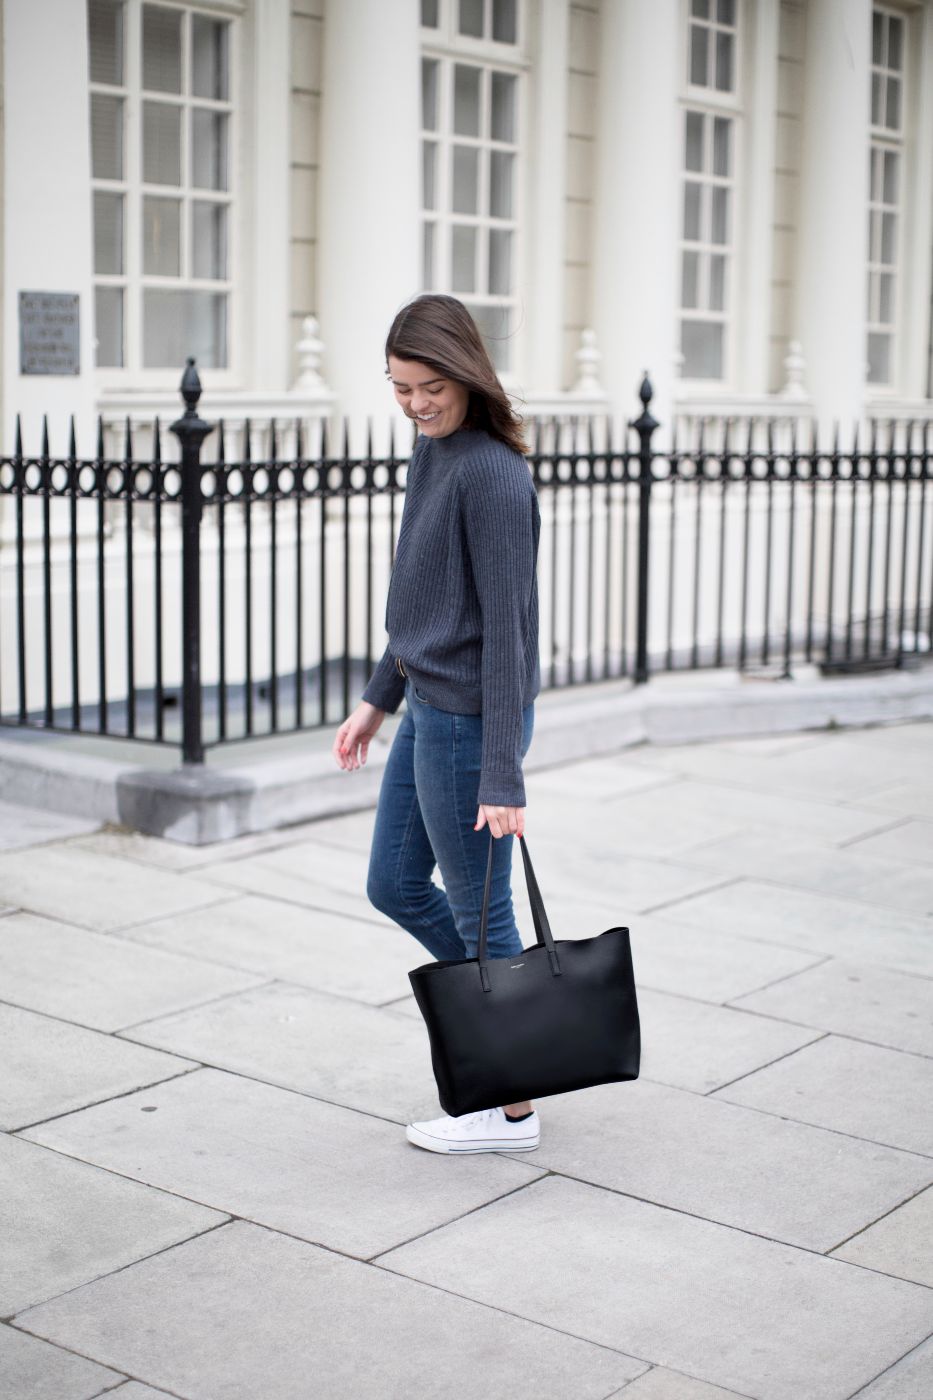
{"type": "Point", "coordinates": [644, 425]}
{"type": "Point", "coordinates": [191, 432]}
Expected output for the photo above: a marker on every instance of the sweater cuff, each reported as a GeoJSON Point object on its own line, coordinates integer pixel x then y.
{"type": "Point", "coordinates": [501, 789]}
{"type": "Point", "coordinates": [386, 688]}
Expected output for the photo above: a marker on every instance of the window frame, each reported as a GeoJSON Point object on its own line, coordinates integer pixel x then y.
{"type": "Point", "coordinates": [712, 103]}
{"type": "Point", "coordinates": [443, 44]}
{"type": "Point", "coordinates": [883, 139]}
{"type": "Point", "coordinates": [133, 374]}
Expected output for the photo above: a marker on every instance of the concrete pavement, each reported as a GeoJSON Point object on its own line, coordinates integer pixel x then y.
{"type": "Point", "coordinates": [209, 1054]}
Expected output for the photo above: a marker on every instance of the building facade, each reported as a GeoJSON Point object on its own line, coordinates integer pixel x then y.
{"type": "Point", "coordinates": [734, 194]}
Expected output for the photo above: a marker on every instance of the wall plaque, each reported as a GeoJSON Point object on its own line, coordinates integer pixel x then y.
{"type": "Point", "coordinates": [48, 333]}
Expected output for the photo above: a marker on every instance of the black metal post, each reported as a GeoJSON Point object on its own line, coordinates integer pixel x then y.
{"type": "Point", "coordinates": [644, 425]}
{"type": "Point", "coordinates": [191, 432]}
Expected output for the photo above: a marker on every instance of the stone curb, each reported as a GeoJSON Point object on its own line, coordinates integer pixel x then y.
{"type": "Point", "coordinates": [200, 805]}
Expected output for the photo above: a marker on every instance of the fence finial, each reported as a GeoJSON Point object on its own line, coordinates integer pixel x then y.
{"type": "Point", "coordinates": [190, 387]}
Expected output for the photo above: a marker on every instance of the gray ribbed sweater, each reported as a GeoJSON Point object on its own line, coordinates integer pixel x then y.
{"type": "Point", "coordinates": [462, 610]}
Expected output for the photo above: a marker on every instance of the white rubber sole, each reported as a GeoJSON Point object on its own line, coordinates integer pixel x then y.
{"type": "Point", "coordinates": [433, 1144]}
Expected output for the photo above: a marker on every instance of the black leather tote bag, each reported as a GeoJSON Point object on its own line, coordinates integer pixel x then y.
{"type": "Point", "coordinates": [560, 1015]}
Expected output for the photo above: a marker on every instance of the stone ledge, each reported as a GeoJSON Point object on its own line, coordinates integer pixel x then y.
{"type": "Point", "coordinates": [294, 778]}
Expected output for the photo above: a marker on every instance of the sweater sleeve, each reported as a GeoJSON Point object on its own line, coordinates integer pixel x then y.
{"type": "Point", "coordinates": [497, 512]}
{"type": "Point", "coordinates": [386, 688]}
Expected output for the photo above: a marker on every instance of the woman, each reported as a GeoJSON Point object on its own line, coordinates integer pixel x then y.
{"type": "Point", "coordinates": [462, 619]}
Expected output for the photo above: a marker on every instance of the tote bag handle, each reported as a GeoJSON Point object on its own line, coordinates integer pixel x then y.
{"type": "Point", "coordinates": [542, 927]}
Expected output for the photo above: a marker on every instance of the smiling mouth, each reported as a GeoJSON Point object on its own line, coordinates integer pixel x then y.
{"type": "Point", "coordinates": [426, 417]}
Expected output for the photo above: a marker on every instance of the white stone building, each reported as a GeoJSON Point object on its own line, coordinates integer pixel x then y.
{"type": "Point", "coordinates": [734, 194]}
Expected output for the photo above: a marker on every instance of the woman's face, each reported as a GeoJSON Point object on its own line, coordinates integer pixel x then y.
{"type": "Point", "coordinates": [436, 404]}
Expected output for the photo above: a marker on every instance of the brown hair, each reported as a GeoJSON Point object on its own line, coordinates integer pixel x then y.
{"type": "Point", "coordinates": [439, 331]}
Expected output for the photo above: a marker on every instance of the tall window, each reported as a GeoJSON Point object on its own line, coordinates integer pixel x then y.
{"type": "Point", "coordinates": [470, 144]}
{"type": "Point", "coordinates": [886, 164]}
{"type": "Point", "coordinates": [708, 212]}
{"type": "Point", "coordinates": [161, 113]}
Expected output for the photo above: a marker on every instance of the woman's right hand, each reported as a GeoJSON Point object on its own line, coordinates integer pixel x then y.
{"type": "Point", "coordinates": [352, 742]}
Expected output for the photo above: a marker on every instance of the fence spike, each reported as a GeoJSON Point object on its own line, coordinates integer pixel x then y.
{"type": "Point", "coordinates": [18, 449]}
{"type": "Point", "coordinates": [45, 435]}
{"type": "Point", "coordinates": [323, 438]}
{"type": "Point", "coordinates": [221, 445]}
{"type": "Point", "coordinates": [346, 438]}
{"type": "Point", "coordinates": [128, 441]}
{"type": "Point", "coordinates": [247, 442]}
{"type": "Point", "coordinates": [100, 438]}
{"type": "Point", "coordinates": [369, 436]}
{"type": "Point", "coordinates": [72, 440]}
{"type": "Point", "coordinates": [156, 443]}
{"type": "Point", "coordinates": [299, 440]}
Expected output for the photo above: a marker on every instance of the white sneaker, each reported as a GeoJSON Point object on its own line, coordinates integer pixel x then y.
{"type": "Point", "coordinates": [488, 1130]}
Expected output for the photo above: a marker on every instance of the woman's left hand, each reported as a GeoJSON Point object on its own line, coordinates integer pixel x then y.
{"type": "Point", "coordinates": [502, 821]}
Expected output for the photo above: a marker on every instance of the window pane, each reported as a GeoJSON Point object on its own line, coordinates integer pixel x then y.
{"type": "Point", "coordinates": [471, 18]}
{"type": "Point", "coordinates": [463, 258]}
{"type": "Point", "coordinates": [699, 51]}
{"type": "Point", "coordinates": [722, 142]}
{"type": "Point", "coordinates": [885, 297]}
{"type": "Point", "coordinates": [692, 211]}
{"type": "Point", "coordinates": [108, 326]}
{"type": "Point", "coordinates": [895, 43]}
{"type": "Point", "coordinates": [879, 357]}
{"type": "Point", "coordinates": [689, 295]}
{"type": "Point", "coordinates": [209, 57]}
{"type": "Point", "coordinates": [717, 282]}
{"type": "Point", "coordinates": [503, 107]}
{"type": "Point", "coordinates": [427, 278]}
{"type": "Point", "coordinates": [874, 237]}
{"type": "Point", "coordinates": [162, 237]}
{"type": "Point", "coordinates": [465, 179]}
{"type": "Point", "coordinates": [106, 137]}
{"type": "Point", "coordinates": [177, 324]}
{"type": "Point", "coordinates": [876, 91]}
{"type": "Point", "coordinates": [105, 40]}
{"type": "Point", "coordinates": [504, 21]}
{"type": "Point", "coordinates": [429, 67]}
{"type": "Point", "coordinates": [500, 262]}
{"type": "Point", "coordinates": [108, 232]}
{"type": "Point", "coordinates": [701, 347]}
{"type": "Point", "coordinates": [466, 100]}
{"type": "Point", "coordinates": [208, 240]}
{"type": "Point", "coordinates": [725, 11]}
{"type": "Point", "coordinates": [889, 192]}
{"type": "Point", "coordinates": [208, 149]}
{"type": "Point", "coordinates": [694, 141]}
{"type": "Point", "coordinates": [720, 232]}
{"type": "Point", "coordinates": [161, 49]}
{"type": "Point", "coordinates": [429, 14]}
{"type": "Point", "coordinates": [700, 8]}
{"type": "Point", "coordinates": [161, 144]}
{"type": "Point", "coordinates": [428, 174]}
{"type": "Point", "coordinates": [495, 327]}
{"type": "Point", "coordinates": [888, 238]}
{"type": "Point", "coordinates": [725, 45]}
{"type": "Point", "coordinates": [500, 184]}
{"type": "Point", "coordinates": [877, 37]}
{"type": "Point", "coordinates": [875, 156]}
{"type": "Point", "coordinates": [892, 119]}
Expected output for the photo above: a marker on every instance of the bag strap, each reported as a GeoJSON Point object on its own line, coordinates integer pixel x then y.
{"type": "Point", "coordinates": [542, 927]}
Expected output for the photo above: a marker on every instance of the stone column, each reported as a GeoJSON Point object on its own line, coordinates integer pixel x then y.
{"type": "Point", "coordinates": [832, 232]}
{"type": "Point", "coordinates": [369, 258]}
{"type": "Point", "coordinates": [637, 207]}
{"type": "Point", "coordinates": [46, 207]}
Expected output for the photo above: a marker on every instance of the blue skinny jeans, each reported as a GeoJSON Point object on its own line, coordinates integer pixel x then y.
{"type": "Point", "coordinates": [425, 818]}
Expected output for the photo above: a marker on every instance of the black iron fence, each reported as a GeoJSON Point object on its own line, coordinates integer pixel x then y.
{"type": "Point", "coordinates": [197, 603]}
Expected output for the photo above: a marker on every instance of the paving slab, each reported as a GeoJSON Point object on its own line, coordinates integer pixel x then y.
{"type": "Point", "coordinates": [845, 928]}
{"type": "Point", "coordinates": [785, 860]}
{"type": "Point", "coordinates": [313, 948]}
{"type": "Point", "coordinates": [912, 736]}
{"type": "Point", "coordinates": [98, 892]}
{"type": "Point", "coordinates": [99, 980]}
{"type": "Point", "coordinates": [681, 1150]}
{"type": "Point", "coordinates": [51, 1067]}
{"type": "Point", "coordinates": [31, 1369]}
{"type": "Point", "coordinates": [30, 826]}
{"type": "Point", "coordinates": [866, 1003]}
{"type": "Point", "coordinates": [900, 1243]}
{"type": "Point", "coordinates": [300, 885]}
{"type": "Point", "coordinates": [706, 964]}
{"type": "Point", "coordinates": [908, 1379]}
{"type": "Point", "coordinates": [907, 841]}
{"type": "Point", "coordinates": [415, 1342]}
{"type": "Point", "coordinates": [909, 799]}
{"type": "Point", "coordinates": [661, 1384]}
{"type": "Point", "coordinates": [633, 884]}
{"type": "Point", "coordinates": [600, 779]}
{"type": "Point", "coordinates": [693, 1045]}
{"type": "Point", "coordinates": [135, 1390]}
{"type": "Point", "coordinates": [764, 1319]}
{"type": "Point", "coordinates": [324, 1174]}
{"type": "Point", "coordinates": [330, 1047]}
{"type": "Point", "coordinates": [68, 1222]}
{"type": "Point", "coordinates": [353, 832]}
{"type": "Point", "coordinates": [850, 1087]}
